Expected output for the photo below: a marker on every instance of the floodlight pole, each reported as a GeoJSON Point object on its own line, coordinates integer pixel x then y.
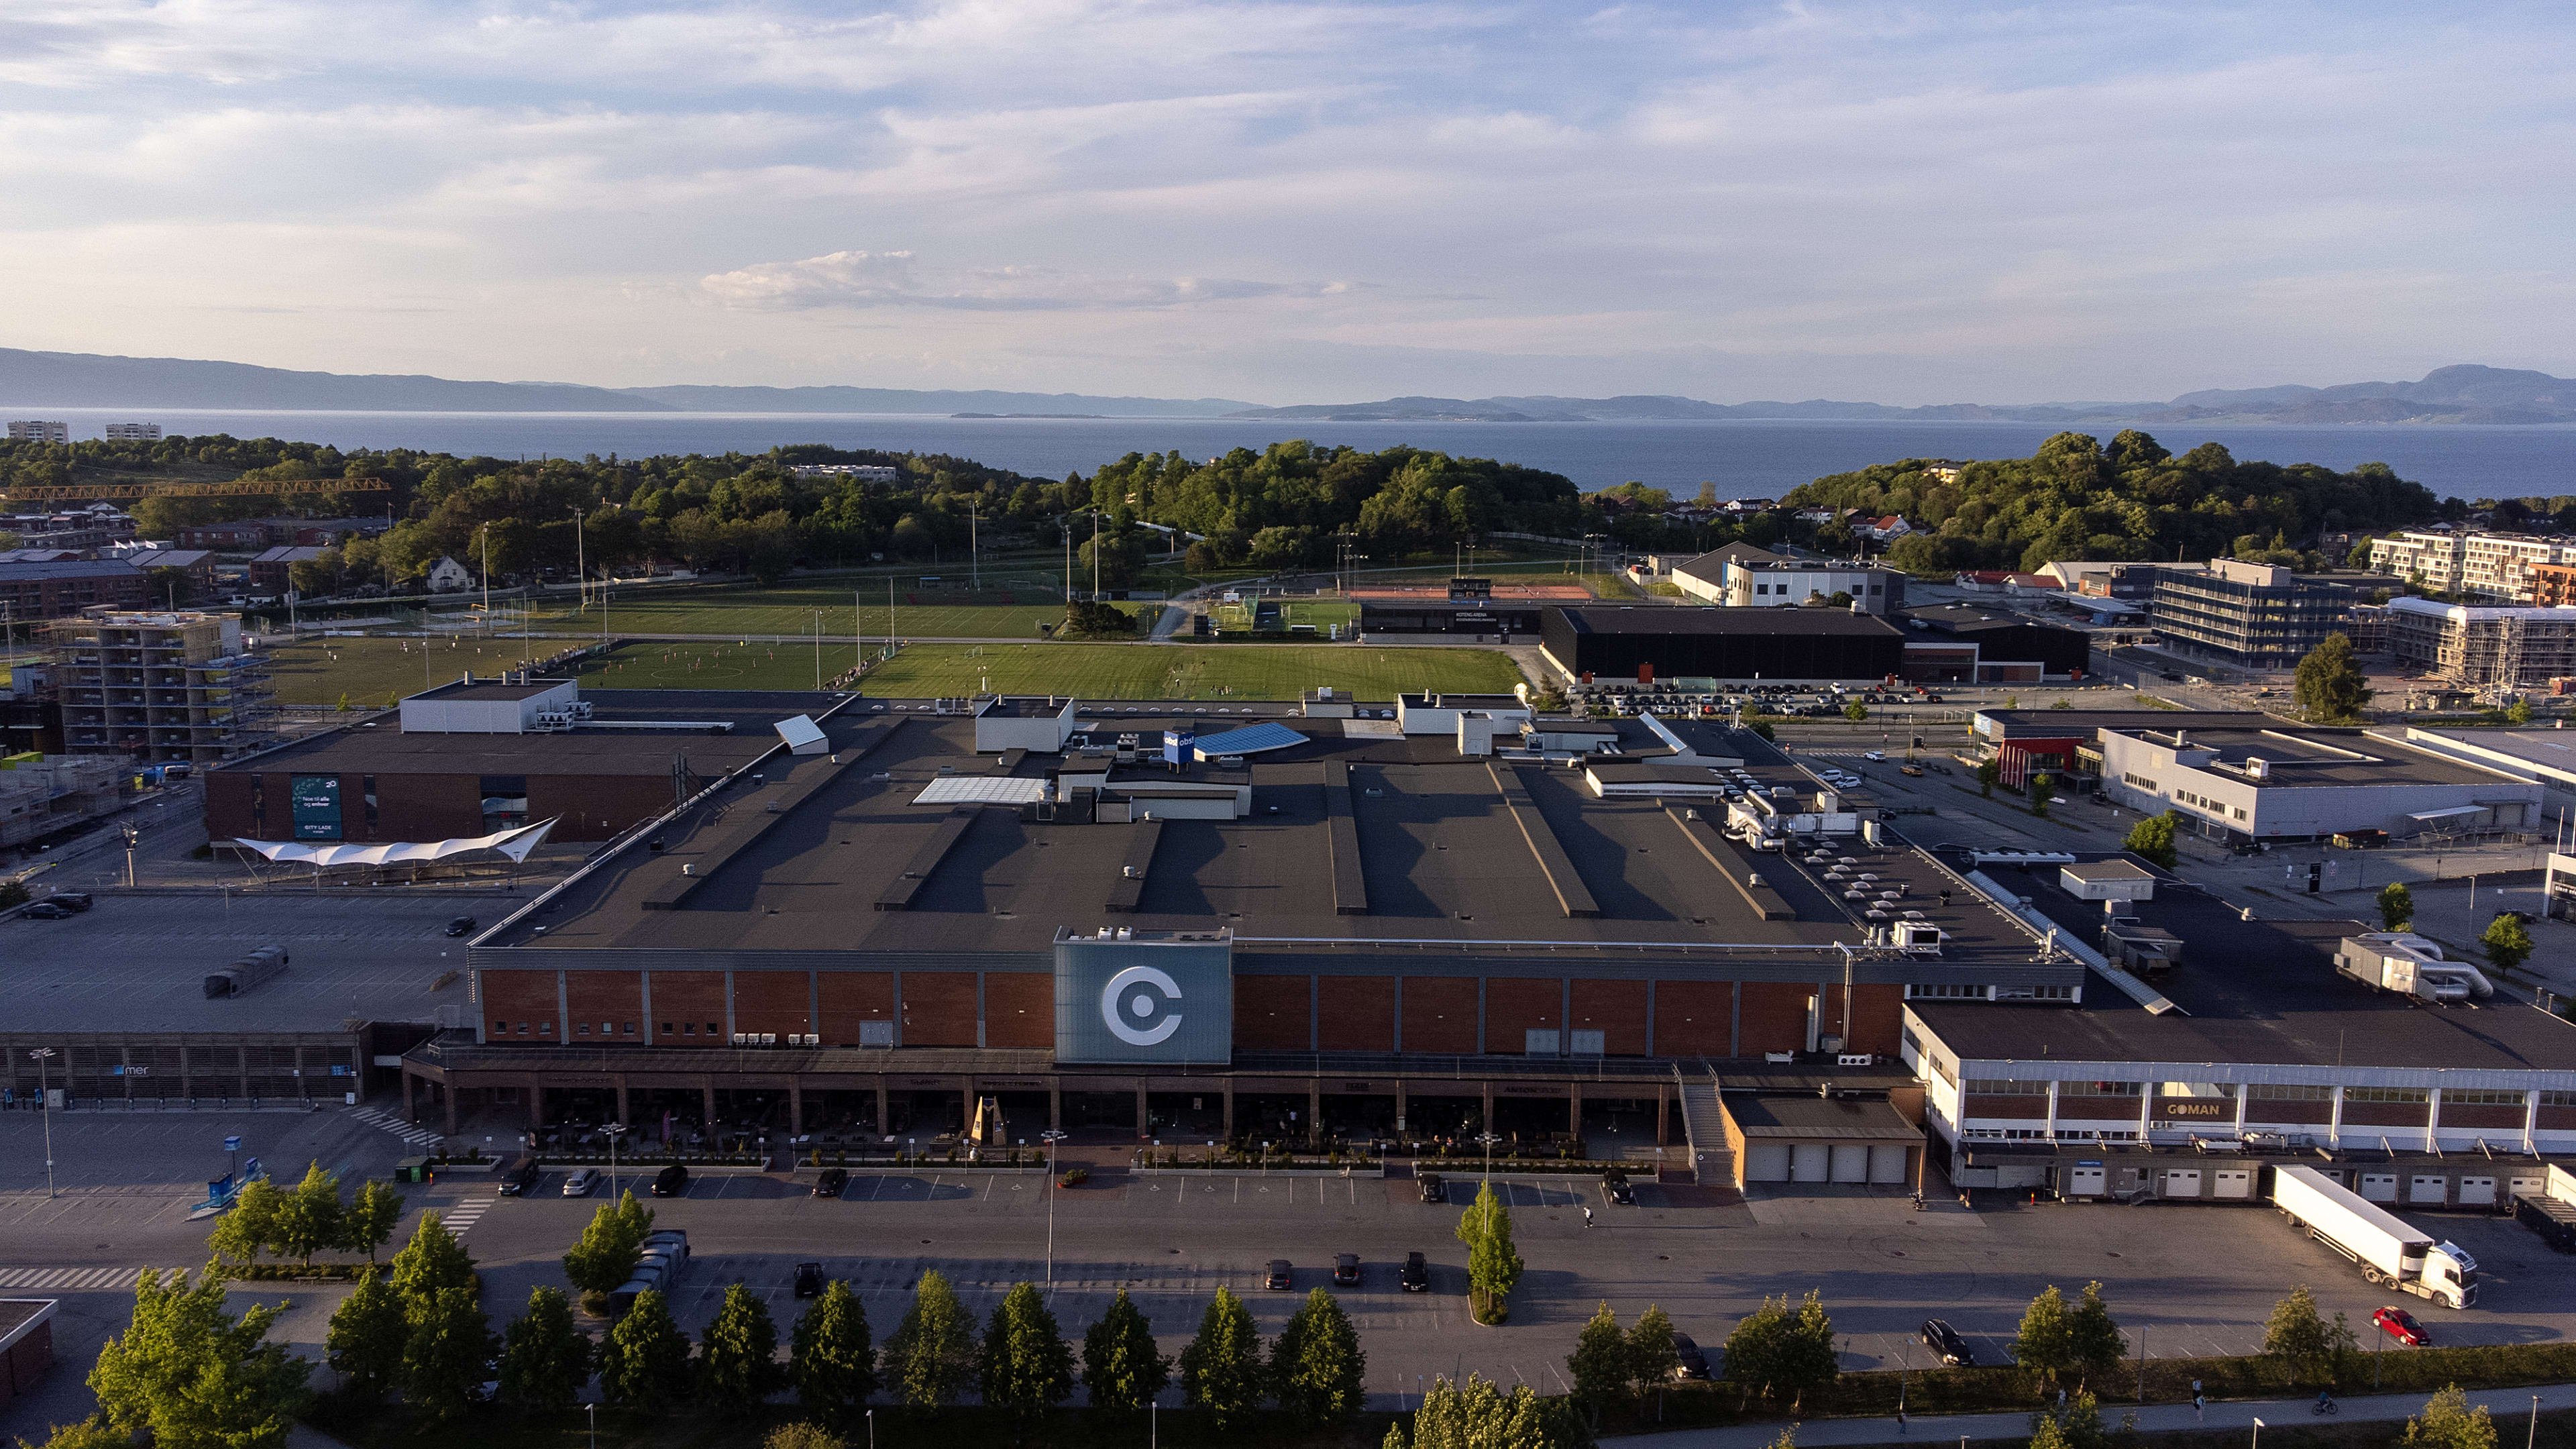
{"type": "Point", "coordinates": [614, 1130]}
{"type": "Point", "coordinates": [1051, 1137]}
{"type": "Point", "coordinates": [45, 1105]}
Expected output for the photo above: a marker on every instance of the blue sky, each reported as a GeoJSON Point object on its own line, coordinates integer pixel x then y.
{"type": "Point", "coordinates": [1292, 202]}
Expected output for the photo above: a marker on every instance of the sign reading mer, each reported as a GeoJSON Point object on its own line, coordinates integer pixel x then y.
{"type": "Point", "coordinates": [1144, 996]}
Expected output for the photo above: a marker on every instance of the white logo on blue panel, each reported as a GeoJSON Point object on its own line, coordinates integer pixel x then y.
{"type": "Point", "coordinates": [1132, 993]}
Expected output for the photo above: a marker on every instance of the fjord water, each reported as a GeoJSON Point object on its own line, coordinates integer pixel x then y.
{"type": "Point", "coordinates": [1743, 457]}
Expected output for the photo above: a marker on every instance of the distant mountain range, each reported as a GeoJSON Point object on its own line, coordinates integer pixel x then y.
{"type": "Point", "coordinates": [2463, 394]}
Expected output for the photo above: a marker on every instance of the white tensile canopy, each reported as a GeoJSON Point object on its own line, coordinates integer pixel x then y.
{"type": "Point", "coordinates": [513, 843]}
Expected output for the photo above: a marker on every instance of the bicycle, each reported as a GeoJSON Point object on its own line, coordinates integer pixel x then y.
{"type": "Point", "coordinates": [2326, 1406]}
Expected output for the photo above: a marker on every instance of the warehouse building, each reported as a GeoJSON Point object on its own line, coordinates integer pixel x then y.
{"type": "Point", "coordinates": [2291, 782]}
{"type": "Point", "coordinates": [1646, 643]}
{"type": "Point", "coordinates": [2065, 742]}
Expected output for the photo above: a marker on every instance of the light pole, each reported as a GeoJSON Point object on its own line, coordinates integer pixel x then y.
{"type": "Point", "coordinates": [1051, 1137]}
{"type": "Point", "coordinates": [2532, 1435]}
{"type": "Point", "coordinates": [614, 1130]}
{"type": "Point", "coordinates": [45, 1105]}
{"type": "Point", "coordinates": [1489, 1139]}
{"type": "Point", "coordinates": [2256, 1437]}
{"type": "Point", "coordinates": [593, 1407]}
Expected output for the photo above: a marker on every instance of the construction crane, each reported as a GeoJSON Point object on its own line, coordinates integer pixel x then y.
{"type": "Point", "coordinates": [238, 488]}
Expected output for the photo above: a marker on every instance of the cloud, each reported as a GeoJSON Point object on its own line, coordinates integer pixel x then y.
{"type": "Point", "coordinates": [887, 279]}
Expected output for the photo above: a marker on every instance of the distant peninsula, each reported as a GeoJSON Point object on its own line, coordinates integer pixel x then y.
{"type": "Point", "coordinates": [2467, 393]}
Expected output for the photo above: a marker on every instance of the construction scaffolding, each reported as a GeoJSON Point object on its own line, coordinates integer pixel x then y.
{"type": "Point", "coordinates": [159, 687]}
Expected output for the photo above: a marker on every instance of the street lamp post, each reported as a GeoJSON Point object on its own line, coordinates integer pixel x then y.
{"type": "Point", "coordinates": [614, 1130]}
{"type": "Point", "coordinates": [1051, 1137]}
{"type": "Point", "coordinates": [45, 1105]}
{"type": "Point", "coordinates": [2257, 1436]}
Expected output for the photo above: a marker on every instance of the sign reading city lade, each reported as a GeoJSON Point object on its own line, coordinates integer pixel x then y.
{"type": "Point", "coordinates": [1154, 997]}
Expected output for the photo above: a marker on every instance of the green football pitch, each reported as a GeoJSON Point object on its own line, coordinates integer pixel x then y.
{"type": "Point", "coordinates": [1008, 611]}
{"type": "Point", "coordinates": [1087, 671]}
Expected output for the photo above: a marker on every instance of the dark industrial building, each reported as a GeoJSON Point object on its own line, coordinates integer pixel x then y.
{"type": "Point", "coordinates": [1467, 606]}
{"type": "Point", "coordinates": [1974, 644]}
{"type": "Point", "coordinates": [1647, 643]}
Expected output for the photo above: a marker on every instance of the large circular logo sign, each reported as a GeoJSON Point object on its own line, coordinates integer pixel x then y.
{"type": "Point", "coordinates": [1138, 1006]}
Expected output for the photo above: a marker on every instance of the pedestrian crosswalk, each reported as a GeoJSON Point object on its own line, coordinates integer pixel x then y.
{"type": "Point", "coordinates": [74, 1280]}
{"type": "Point", "coordinates": [465, 1215]}
{"type": "Point", "coordinates": [416, 1136]}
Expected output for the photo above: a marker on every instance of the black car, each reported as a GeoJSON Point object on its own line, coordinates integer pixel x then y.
{"type": "Point", "coordinates": [1946, 1344]}
{"type": "Point", "coordinates": [672, 1181]}
{"type": "Point", "coordinates": [80, 901]}
{"type": "Point", "coordinates": [1415, 1275]}
{"type": "Point", "coordinates": [809, 1280]}
{"type": "Point", "coordinates": [1346, 1269]}
{"type": "Point", "coordinates": [48, 911]}
{"type": "Point", "coordinates": [1688, 1361]}
{"type": "Point", "coordinates": [1616, 1185]}
{"type": "Point", "coordinates": [460, 925]}
{"type": "Point", "coordinates": [1278, 1276]}
{"type": "Point", "coordinates": [520, 1178]}
{"type": "Point", "coordinates": [831, 1182]}
{"type": "Point", "coordinates": [1434, 1188]}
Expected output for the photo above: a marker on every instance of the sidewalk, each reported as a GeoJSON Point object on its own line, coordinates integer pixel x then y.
{"type": "Point", "coordinates": [2507, 1405]}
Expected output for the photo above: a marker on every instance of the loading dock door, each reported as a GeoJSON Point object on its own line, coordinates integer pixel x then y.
{"type": "Point", "coordinates": [2379, 1187]}
{"type": "Point", "coordinates": [2084, 1182]}
{"type": "Point", "coordinates": [2182, 1182]}
{"type": "Point", "coordinates": [1810, 1162]}
{"type": "Point", "coordinates": [2477, 1192]}
{"type": "Point", "coordinates": [1851, 1163]}
{"type": "Point", "coordinates": [2525, 1186]}
{"type": "Point", "coordinates": [2235, 1183]}
{"type": "Point", "coordinates": [2428, 1189]}
{"type": "Point", "coordinates": [1766, 1162]}
{"type": "Point", "coordinates": [1887, 1165]}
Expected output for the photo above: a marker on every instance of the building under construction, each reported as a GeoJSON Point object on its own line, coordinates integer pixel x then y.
{"type": "Point", "coordinates": [2480, 647]}
{"type": "Point", "coordinates": [159, 687]}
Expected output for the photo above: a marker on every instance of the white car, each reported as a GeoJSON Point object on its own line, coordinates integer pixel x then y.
{"type": "Point", "coordinates": [581, 1182]}
{"type": "Point", "coordinates": [1875, 755]}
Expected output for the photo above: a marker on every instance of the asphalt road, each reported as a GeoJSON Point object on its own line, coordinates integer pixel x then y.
{"type": "Point", "coordinates": [2193, 1280]}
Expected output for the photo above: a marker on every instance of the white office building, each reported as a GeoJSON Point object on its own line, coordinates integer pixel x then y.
{"type": "Point", "coordinates": [38, 430]}
{"type": "Point", "coordinates": [2239, 785]}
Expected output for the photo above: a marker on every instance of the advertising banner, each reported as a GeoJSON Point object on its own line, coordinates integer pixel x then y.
{"type": "Point", "coordinates": [317, 806]}
{"type": "Point", "coordinates": [1151, 997]}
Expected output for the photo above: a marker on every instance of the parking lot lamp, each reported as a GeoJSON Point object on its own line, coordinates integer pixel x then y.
{"type": "Point", "coordinates": [593, 1407]}
{"type": "Point", "coordinates": [614, 1130]}
{"type": "Point", "coordinates": [1489, 1139]}
{"type": "Point", "coordinates": [2256, 1437]}
{"type": "Point", "coordinates": [1051, 1137]}
{"type": "Point", "coordinates": [45, 1105]}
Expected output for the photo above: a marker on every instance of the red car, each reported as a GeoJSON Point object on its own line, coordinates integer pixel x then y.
{"type": "Point", "coordinates": [2399, 1324]}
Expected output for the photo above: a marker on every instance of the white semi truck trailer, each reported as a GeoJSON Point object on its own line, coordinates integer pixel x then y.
{"type": "Point", "coordinates": [2387, 1249]}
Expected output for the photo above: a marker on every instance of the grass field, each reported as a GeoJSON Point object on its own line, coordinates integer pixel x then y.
{"type": "Point", "coordinates": [1090, 671]}
{"type": "Point", "coordinates": [791, 611]}
{"type": "Point", "coordinates": [319, 671]}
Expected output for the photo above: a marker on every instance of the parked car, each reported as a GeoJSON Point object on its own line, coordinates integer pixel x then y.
{"type": "Point", "coordinates": [831, 1182]}
{"type": "Point", "coordinates": [672, 1181]}
{"type": "Point", "coordinates": [1689, 1363]}
{"type": "Point", "coordinates": [1435, 1188]}
{"type": "Point", "coordinates": [1415, 1275]}
{"type": "Point", "coordinates": [2399, 1324]}
{"type": "Point", "coordinates": [460, 925]}
{"type": "Point", "coordinates": [520, 1178]}
{"type": "Point", "coordinates": [80, 901]}
{"type": "Point", "coordinates": [809, 1280]}
{"type": "Point", "coordinates": [1620, 1191]}
{"type": "Point", "coordinates": [1914, 770]}
{"type": "Point", "coordinates": [581, 1182]}
{"type": "Point", "coordinates": [1278, 1276]}
{"type": "Point", "coordinates": [1346, 1269]}
{"type": "Point", "coordinates": [48, 911]}
{"type": "Point", "coordinates": [1947, 1345]}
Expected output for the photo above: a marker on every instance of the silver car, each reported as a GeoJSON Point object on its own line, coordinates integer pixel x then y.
{"type": "Point", "coordinates": [581, 1182]}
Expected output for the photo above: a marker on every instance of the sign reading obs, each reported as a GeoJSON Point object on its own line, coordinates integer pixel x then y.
{"type": "Point", "coordinates": [1144, 996]}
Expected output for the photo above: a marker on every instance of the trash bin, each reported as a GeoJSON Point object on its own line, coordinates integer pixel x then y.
{"type": "Point", "coordinates": [412, 1169]}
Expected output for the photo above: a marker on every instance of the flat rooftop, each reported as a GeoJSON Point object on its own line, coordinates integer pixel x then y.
{"type": "Point", "coordinates": [1676, 619]}
{"type": "Point", "coordinates": [492, 689]}
{"type": "Point", "coordinates": [2058, 724]}
{"type": "Point", "coordinates": [1845, 1118]}
{"type": "Point", "coordinates": [650, 726]}
{"type": "Point", "coordinates": [2256, 991]}
{"type": "Point", "coordinates": [2553, 750]}
{"type": "Point", "coordinates": [1439, 593]}
{"type": "Point", "coordinates": [1444, 858]}
{"type": "Point", "coordinates": [2298, 758]}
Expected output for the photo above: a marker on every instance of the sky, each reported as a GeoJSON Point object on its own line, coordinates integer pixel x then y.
{"type": "Point", "coordinates": [1299, 202]}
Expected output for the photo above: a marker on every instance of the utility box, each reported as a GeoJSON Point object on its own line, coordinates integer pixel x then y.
{"type": "Point", "coordinates": [412, 1169]}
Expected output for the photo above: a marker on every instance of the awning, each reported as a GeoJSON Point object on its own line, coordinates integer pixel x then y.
{"type": "Point", "coordinates": [2454, 813]}
{"type": "Point", "coordinates": [513, 843]}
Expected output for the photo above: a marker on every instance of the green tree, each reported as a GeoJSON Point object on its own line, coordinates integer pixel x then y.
{"type": "Point", "coordinates": [2094, 1336]}
{"type": "Point", "coordinates": [2152, 840]}
{"type": "Point", "coordinates": [1856, 711]}
{"type": "Point", "coordinates": [545, 1361]}
{"type": "Point", "coordinates": [89, 1433]}
{"type": "Point", "coordinates": [2045, 1346]}
{"type": "Point", "coordinates": [369, 1222]}
{"type": "Point", "coordinates": [1652, 1354]}
{"type": "Point", "coordinates": [1493, 1263]}
{"type": "Point", "coordinates": [1120, 1365]}
{"type": "Point", "coordinates": [443, 1356]}
{"type": "Point", "coordinates": [250, 1225]}
{"type": "Point", "coordinates": [603, 1259]}
{"type": "Point", "coordinates": [831, 1358]}
{"type": "Point", "coordinates": [431, 1261]}
{"type": "Point", "coordinates": [2506, 941]}
{"type": "Point", "coordinates": [1027, 1366]}
{"type": "Point", "coordinates": [2449, 1423]}
{"type": "Point", "coordinates": [2043, 788]}
{"type": "Point", "coordinates": [2396, 906]}
{"type": "Point", "coordinates": [309, 1219]}
{"type": "Point", "coordinates": [802, 1436]}
{"type": "Point", "coordinates": [1476, 1415]}
{"type": "Point", "coordinates": [2520, 712]}
{"type": "Point", "coordinates": [2076, 1426]}
{"type": "Point", "coordinates": [366, 1339]}
{"type": "Point", "coordinates": [930, 1356]}
{"type": "Point", "coordinates": [1988, 772]}
{"type": "Point", "coordinates": [1221, 1368]}
{"type": "Point", "coordinates": [1600, 1366]}
{"type": "Point", "coordinates": [2299, 1336]}
{"type": "Point", "coordinates": [646, 1363]}
{"type": "Point", "coordinates": [738, 1365]}
{"type": "Point", "coordinates": [2330, 685]}
{"type": "Point", "coordinates": [1318, 1372]}
{"type": "Point", "coordinates": [1808, 1360]}
{"type": "Point", "coordinates": [195, 1377]}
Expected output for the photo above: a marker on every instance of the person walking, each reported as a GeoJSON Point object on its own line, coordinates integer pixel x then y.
{"type": "Point", "coordinates": [1587, 1216]}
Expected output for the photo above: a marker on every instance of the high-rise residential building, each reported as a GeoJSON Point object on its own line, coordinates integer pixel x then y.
{"type": "Point", "coordinates": [39, 430]}
{"type": "Point", "coordinates": [159, 686]}
{"type": "Point", "coordinates": [134, 432]}
{"type": "Point", "coordinates": [2258, 616]}
{"type": "Point", "coordinates": [2482, 565]}
{"type": "Point", "coordinates": [2477, 646]}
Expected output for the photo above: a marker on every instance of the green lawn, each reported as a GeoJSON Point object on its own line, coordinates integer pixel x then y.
{"type": "Point", "coordinates": [1184, 671]}
{"type": "Point", "coordinates": [319, 671]}
{"type": "Point", "coordinates": [1010, 608]}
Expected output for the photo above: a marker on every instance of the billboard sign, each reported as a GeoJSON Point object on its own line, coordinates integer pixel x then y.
{"type": "Point", "coordinates": [317, 806]}
{"type": "Point", "coordinates": [1144, 997]}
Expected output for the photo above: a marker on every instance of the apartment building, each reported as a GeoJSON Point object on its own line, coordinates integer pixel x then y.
{"type": "Point", "coordinates": [2257, 616]}
{"type": "Point", "coordinates": [2478, 646]}
{"type": "Point", "coordinates": [134, 432]}
{"type": "Point", "coordinates": [2499, 566]}
{"type": "Point", "coordinates": [159, 686]}
{"type": "Point", "coordinates": [38, 430]}
{"type": "Point", "coordinates": [2429, 558]}
{"type": "Point", "coordinates": [2551, 584]}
